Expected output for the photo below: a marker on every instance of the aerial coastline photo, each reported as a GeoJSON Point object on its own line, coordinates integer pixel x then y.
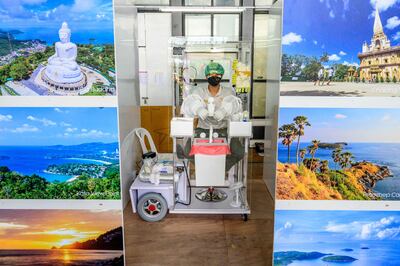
{"type": "Point", "coordinates": [338, 154]}
{"type": "Point", "coordinates": [65, 237]}
{"type": "Point", "coordinates": [71, 153]}
{"type": "Point", "coordinates": [355, 238]}
{"type": "Point", "coordinates": [348, 48]}
{"type": "Point", "coordinates": [57, 47]}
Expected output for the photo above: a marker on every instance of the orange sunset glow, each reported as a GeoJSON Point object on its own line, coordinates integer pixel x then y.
{"type": "Point", "coordinates": [44, 229]}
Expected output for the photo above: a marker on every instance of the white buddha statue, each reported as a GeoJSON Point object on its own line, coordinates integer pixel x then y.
{"type": "Point", "coordinates": [62, 66]}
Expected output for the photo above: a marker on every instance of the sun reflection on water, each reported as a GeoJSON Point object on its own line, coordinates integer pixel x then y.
{"type": "Point", "coordinates": [66, 255]}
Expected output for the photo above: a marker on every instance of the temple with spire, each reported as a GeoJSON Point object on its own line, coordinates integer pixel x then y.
{"type": "Point", "coordinates": [379, 60]}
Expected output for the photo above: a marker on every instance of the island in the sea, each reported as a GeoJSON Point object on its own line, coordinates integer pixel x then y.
{"type": "Point", "coordinates": [85, 171]}
{"type": "Point", "coordinates": [284, 258]}
{"type": "Point", "coordinates": [348, 249]}
{"type": "Point", "coordinates": [338, 259]}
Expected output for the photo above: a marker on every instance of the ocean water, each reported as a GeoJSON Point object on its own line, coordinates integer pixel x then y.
{"type": "Point", "coordinates": [29, 160]}
{"type": "Point", "coordinates": [103, 36]}
{"type": "Point", "coordinates": [380, 253]}
{"type": "Point", "coordinates": [56, 257]}
{"type": "Point", "coordinates": [385, 154]}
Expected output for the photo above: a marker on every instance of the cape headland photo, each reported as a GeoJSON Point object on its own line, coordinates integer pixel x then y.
{"type": "Point", "coordinates": [316, 238]}
{"type": "Point", "coordinates": [57, 48]}
{"type": "Point", "coordinates": [65, 237]}
{"type": "Point", "coordinates": [77, 157]}
{"type": "Point", "coordinates": [348, 48]}
{"type": "Point", "coordinates": [338, 154]}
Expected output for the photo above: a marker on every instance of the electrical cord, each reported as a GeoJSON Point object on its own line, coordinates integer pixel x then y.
{"type": "Point", "coordinates": [190, 187]}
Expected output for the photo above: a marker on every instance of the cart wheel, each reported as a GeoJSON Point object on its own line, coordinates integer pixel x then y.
{"type": "Point", "coordinates": [245, 217]}
{"type": "Point", "coordinates": [152, 207]}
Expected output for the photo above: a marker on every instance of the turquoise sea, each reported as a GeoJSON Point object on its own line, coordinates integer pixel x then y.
{"type": "Point", "coordinates": [29, 160]}
{"type": "Point", "coordinates": [379, 253]}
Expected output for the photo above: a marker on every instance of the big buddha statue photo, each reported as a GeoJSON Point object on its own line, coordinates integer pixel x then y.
{"type": "Point", "coordinates": [62, 72]}
{"type": "Point", "coordinates": [61, 57]}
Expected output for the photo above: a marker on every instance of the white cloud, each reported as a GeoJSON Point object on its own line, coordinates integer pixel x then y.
{"type": "Point", "coordinates": [315, 42]}
{"type": "Point", "coordinates": [383, 5]}
{"type": "Point", "coordinates": [331, 14]}
{"type": "Point", "coordinates": [354, 64]}
{"type": "Point", "coordinates": [44, 121]}
{"type": "Point", "coordinates": [342, 53]}
{"type": "Point", "coordinates": [11, 226]}
{"type": "Point", "coordinates": [5, 118]}
{"type": "Point", "coordinates": [61, 111]}
{"type": "Point", "coordinates": [64, 124]}
{"type": "Point", "coordinates": [353, 227]}
{"type": "Point", "coordinates": [83, 5]}
{"type": "Point", "coordinates": [291, 38]}
{"type": "Point", "coordinates": [70, 130]}
{"type": "Point", "coordinates": [94, 133]}
{"type": "Point", "coordinates": [280, 232]}
{"type": "Point", "coordinates": [393, 22]}
{"type": "Point", "coordinates": [340, 116]}
{"type": "Point", "coordinates": [385, 228]}
{"type": "Point", "coordinates": [25, 128]}
{"type": "Point", "coordinates": [84, 133]}
{"type": "Point", "coordinates": [288, 225]}
{"type": "Point", "coordinates": [396, 36]}
{"type": "Point", "coordinates": [334, 57]}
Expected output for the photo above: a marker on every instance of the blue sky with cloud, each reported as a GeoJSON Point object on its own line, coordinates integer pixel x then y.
{"type": "Point", "coordinates": [57, 126]}
{"type": "Point", "coordinates": [338, 27]}
{"type": "Point", "coordinates": [347, 124]}
{"type": "Point", "coordinates": [336, 226]}
{"type": "Point", "coordinates": [42, 18]}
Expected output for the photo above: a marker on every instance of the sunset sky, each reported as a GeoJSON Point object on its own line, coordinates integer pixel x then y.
{"type": "Point", "coordinates": [43, 229]}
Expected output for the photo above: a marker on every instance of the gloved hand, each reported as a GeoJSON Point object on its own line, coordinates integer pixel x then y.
{"type": "Point", "coordinates": [219, 114]}
{"type": "Point", "coordinates": [202, 113]}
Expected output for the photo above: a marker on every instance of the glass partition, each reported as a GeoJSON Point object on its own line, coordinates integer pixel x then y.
{"type": "Point", "coordinates": [189, 57]}
{"type": "Point", "coordinates": [197, 25]}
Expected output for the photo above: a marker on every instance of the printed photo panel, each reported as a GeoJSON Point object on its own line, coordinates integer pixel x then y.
{"type": "Point", "coordinates": [341, 48]}
{"type": "Point", "coordinates": [63, 48]}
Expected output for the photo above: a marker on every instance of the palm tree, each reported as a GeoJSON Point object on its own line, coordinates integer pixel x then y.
{"type": "Point", "coordinates": [302, 153]}
{"type": "Point", "coordinates": [313, 149]}
{"type": "Point", "coordinates": [336, 155]}
{"type": "Point", "coordinates": [287, 133]}
{"type": "Point", "coordinates": [324, 168]}
{"type": "Point", "coordinates": [324, 58]}
{"type": "Point", "coordinates": [311, 164]}
{"type": "Point", "coordinates": [346, 159]}
{"type": "Point", "coordinates": [301, 122]}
